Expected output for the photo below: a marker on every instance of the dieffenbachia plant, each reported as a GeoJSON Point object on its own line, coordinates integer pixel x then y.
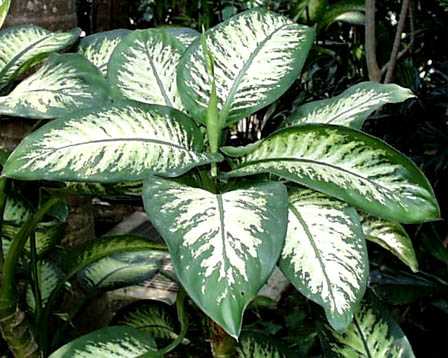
{"type": "Point", "coordinates": [306, 198]}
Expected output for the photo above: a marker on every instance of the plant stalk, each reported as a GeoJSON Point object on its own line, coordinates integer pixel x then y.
{"type": "Point", "coordinates": [371, 58]}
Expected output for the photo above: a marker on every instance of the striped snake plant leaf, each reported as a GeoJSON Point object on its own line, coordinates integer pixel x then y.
{"type": "Point", "coordinates": [391, 236]}
{"type": "Point", "coordinates": [110, 342]}
{"type": "Point", "coordinates": [373, 334]}
{"type": "Point", "coordinates": [117, 143]}
{"type": "Point", "coordinates": [257, 56]}
{"type": "Point", "coordinates": [325, 254]}
{"type": "Point", "coordinates": [352, 107]}
{"type": "Point", "coordinates": [4, 8]}
{"type": "Point", "coordinates": [144, 67]}
{"type": "Point", "coordinates": [98, 48]}
{"type": "Point", "coordinates": [346, 164]}
{"type": "Point", "coordinates": [63, 85]}
{"type": "Point", "coordinates": [224, 246]}
{"type": "Point", "coordinates": [184, 35]}
{"type": "Point", "coordinates": [24, 46]}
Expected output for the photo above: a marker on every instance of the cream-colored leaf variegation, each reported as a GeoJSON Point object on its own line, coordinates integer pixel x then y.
{"type": "Point", "coordinates": [184, 35]}
{"type": "Point", "coordinates": [4, 8]}
{"type": "Point", "coordinates": [346, 164]}
{"type": "Point", "coordinates": [98, 48]}
{"type": "Point", "coordinates": [352, 107]}
{"type": "Point", "coordinates": [144, 67]}
{"type": "Point", "coordinates": [64, 84]}
{"type": "Point", "coordinates": [22, 46]}
{"type": "Point", "coordinates": [117, 143]}
{"type": "Point", "coordinates": [257, 55]}
{"type": "Point", "coordinates": [223, 246]}
{"type": "Point", "coordinates": [325, 255]}
{"type": "Point", "coordinates": [391, 236]}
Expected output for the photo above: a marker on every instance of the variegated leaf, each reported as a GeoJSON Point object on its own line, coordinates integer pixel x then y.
{"type": "Point", "coordinates": [184, 35]}
{"type": "Point", "coordinates": [223, 246]}
{"type": "Point", "coordinates": [325, 255]}
{"type": "Point", "coordinates": [98, 48]}
{"type": "Point", "coordinates": [352, 107]}
{"type": "Point", "coordinates": [346, 164]}
{"type": "Point", "coordinates": [391, 236]}
{"type": "Point", "coordinates": [117, 143]}
{"type": "Point", "coordinates": [144, 67]}
{"type": "Point", "coordinates": [17, 211]}
{"type": "Point", "coordinates": [257, 347]}
{"type": "Point", "coordinates": [63, 85]}
{"type": "Point", "coordinates": [23, 46]}
{"type": "Point", "coordinates": [4, 8]}
{"type": "Point", "coordinates": [373, 334]}
{"type": "Point", "coordinates": [257, 56]}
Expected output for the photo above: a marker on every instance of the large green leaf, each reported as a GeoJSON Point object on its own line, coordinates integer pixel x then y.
{"type": "Point", "coordinates": [223, 246]}
{"type": "Point", "coordinates": [121, 142]}
{"type": "Point", "coordinates": [184, 35]}
{"type": "Point", "coordinates": [4, 8]}
{"type": "Point", "coordinates": [144, 67]}
{"type": "Point", "coordinates": [341, 11]}
{"type": "Point", "coordinates": [110, 342]}
{"type": "Point", "coordinates": [325, 254]}
{"type": "Point", "coordinates": [346, 164]}
{"type": "Point", "coordinates": [23, 46]}
{"type": "Point", "coordinates": [63, 85]}
{"type": "Point", "coordinates": [98, 48]}
{"type": "Point", "coordinates": [257, 56]}
{"type": "Point", "coordinates": [352, 107]}
{"type": "Point", "coordinates": [373, 334]}
{"type": "Point", "coordinates": [391, 236]}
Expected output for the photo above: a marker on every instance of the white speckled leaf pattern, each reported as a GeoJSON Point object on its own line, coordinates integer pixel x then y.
{"type": "Point", "coordinates": [325, 255]}
{"type": "Point", "coordinates": [64, 84]}
{"type": "Point", "coordinates": [144, 67]}
{"type": "Point", "coordinates": [346, 164]}
{"type": "Point", "coordinates": [223, 246]}
{"type": "Point", "coordinates": [4, 7]}
{"type": "Point", "coordinates": [372, 334]}
{"type": "Point", "coordinates": [184, 35]}
{"type": "Point", "coordinates": [20, 47]}
{"type": "Point", "coordinates": [123, 142]}
{"type": "Point", "coordinates": [98, 48]}
{"type": "Point", "coordinates": [352, 107]}
{"type": "Point", "coordinates": [391, 236]}
{"type": "Point", "coordinates": [257, 56]}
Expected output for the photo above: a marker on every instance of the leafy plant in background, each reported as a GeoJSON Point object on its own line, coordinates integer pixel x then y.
{"type": "Point", "coordinates": [305, 198]}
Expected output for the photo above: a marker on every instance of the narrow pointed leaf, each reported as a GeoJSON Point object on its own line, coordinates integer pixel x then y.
{"type": "Point", "coordinates": [346, 164]}
{"type": "Point", "coordinates": [144, 67]}
{"type": "Point", "coordinates": [4, 8]}
{"type": "Point", "coordinates": [123, 142]}
{"type": "Point", "coordinates": [64, 84]}
{"type": "Point", "coordinates": [23, 46]}
{"type": "Point", "coordinates": [257, 54]}
{"type": "Point", "coordinates": [98, 48]}
{"type": "Point", "coordinates": [325, 255]}
{"type": "Point", "coordinates": [352, 107]}
{"type": "Point", "coordinates": [373, 334]}
{"type": "Point", "coordinates": [391, 236]}
{"type": "Point", "coordinates": [110, 342]}
{"type": "Point", "coordinates": [223, 246]}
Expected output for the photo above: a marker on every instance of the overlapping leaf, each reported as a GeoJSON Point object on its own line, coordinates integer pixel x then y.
{"type": "Point", "coordinates": [346, 164]}
{"type": "Point", "coordinates": [144, 67]}
{"type": "Point", "coordinates": [24, 46]}
{"type": "Point", "coordinates": [325, 255]}
{"type": "Point", "coordinates": [257, 55]}
{"type": "Point", "coordinates": [117, 143]}
{"type": "Point", "coordinates": [184, 35]}
{"type": "Point", "coordinates": [352, 107]}
{"type": "Point", "coordinates": [63, 85]}
{"type": "Point", "coordinates": [223, 246]}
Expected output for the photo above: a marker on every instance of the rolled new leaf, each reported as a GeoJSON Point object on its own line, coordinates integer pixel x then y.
{"type": "Point", "coordinates": [224, 246]}
{"type": "Point", "coordinates": [346, 164]}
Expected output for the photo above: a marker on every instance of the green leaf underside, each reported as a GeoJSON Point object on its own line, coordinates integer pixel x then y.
{"type": "Point", "coordinates": [98, 48]}
{"type": "Point", "coordinates": [4, 7]}
{"type": "Point", "coordinates": [391, 236]}
{"type": "Point", "coordinates": [352, 107]}
{"type": "Point", "coordinates": [118, 143]}
{"type": "Point", "coordinates": [63, 85]}
{"type": "Point", "coordinates": [22, 46]}
{"type": "Point", "coordinates": [325, 255]}
{"type": "Point", "coordinates": [224, 247]}
{"type": "Point", "coordinates": [109, 342]}
{"type": "Point", "coordinates": [144, 67]}
{"type": "Point", "coordinates": [347, 164]}
{"type": "Point", "coordinates": [372, 334]}
{"type": "Point", "coordinates": [257, 56]}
